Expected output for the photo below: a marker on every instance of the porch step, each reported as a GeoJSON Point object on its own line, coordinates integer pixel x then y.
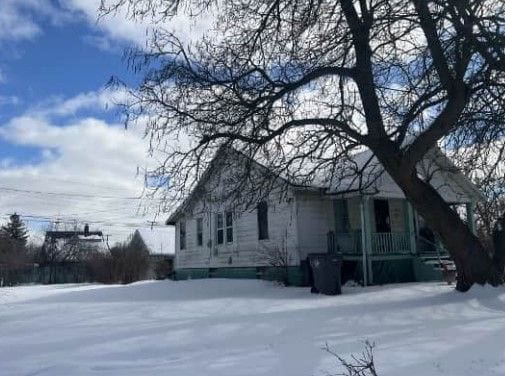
{"type": "Point", "coordinates": [434, 268]}
{"type": "Point", "coordinates": [441, 264]}
{"type": "Point", "coordinates": [436, 261]}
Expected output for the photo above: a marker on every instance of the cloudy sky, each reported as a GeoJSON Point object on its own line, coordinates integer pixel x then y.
{"type": "Point", "coordinates": [64, 153]}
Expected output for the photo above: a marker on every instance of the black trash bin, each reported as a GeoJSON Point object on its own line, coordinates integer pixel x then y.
{"type": "Point", "coordinates": [326, 272]}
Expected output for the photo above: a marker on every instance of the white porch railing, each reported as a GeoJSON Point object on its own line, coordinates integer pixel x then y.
{"type": "Point", "coordinates": [384, 243]}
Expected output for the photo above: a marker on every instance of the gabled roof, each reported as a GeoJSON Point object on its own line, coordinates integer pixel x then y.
{"type": "Point", "coordinates": [456, 186]}
{"type": "Point", "coordinates": [209, 172]}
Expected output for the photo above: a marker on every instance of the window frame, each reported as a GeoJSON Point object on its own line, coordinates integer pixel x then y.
{"type": "Point", "coordinates": [199, 232]}
{"type": "Point", "coordinates": [182, 235]}
{"type": "Point", "coordinates": [262, 220]}
{"type": "Point", "coordinates": [220, 229]}
{"type": "Point", "coordinates": [228, 226]}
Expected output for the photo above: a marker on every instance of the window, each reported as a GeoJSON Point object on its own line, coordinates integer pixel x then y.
{"type": "Point", "coordinates": [229, 227]}
{"type": "Point", "coordinates": [182, 235]}
{"type": "Point", "coordinates": [219, 228]}
{"type": "Point", "coordinates": [262, 220]}
{"type": "Point", "coordinates": [199, 232]}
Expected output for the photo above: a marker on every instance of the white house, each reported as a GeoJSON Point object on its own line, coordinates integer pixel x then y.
{"type": "Point", "coordinates": [375, 228]}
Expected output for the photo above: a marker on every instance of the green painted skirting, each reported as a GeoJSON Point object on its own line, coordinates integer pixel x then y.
{"type": "Point", "coordinates": [425, 273]}
{"type": "Point", "coordinates": [183, 274]}
{"type": "Point", "coordinates": [385, 271]}
{"type": "Point", "coordinates": [390, 256]}
{"type": "Point", "coordinates": [405, 269]}
{"type": "Point", "coordinates": [392, 271]}
{"type": "Point", "coordinates": [294, 275]}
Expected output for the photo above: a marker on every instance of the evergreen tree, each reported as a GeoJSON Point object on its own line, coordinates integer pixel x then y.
{"type": "Point", "coordinates": [15, 230]}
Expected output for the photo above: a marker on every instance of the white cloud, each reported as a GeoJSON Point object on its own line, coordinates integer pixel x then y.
{"type": "Point", "coordinates": [17, 18]}
{"type": "Point", "coordinates": [118, 27]}
{"type": "Point", "coordinates": [87, 157]}
{"type": "Point", "coordinates": [9, 100]}
{"type": "Point", "coordinates": [100, 100]}
{"type": "Point", "coordinates": [102, 43]}
{"type": "Point", "coordinates": [21, 20]}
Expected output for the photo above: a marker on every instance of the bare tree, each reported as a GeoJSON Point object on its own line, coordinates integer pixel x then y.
{"type": "Point", "coordinates": [55, 251]}
{"type": "Point", "coordinates": [302, 85]}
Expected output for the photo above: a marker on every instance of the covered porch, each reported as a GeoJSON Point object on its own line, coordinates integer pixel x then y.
{"type": "Point", "coordinates": [374, 228]}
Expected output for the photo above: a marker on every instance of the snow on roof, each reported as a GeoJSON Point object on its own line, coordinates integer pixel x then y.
{"type": "Point", "coordinates": [362, 172]}
{"type": "Point", "coordinates": [452, 185]}
{"type": "Point", "coordinates": [158, 240]}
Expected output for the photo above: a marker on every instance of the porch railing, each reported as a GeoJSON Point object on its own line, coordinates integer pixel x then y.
{"type": "Point", "coordinates": [390, 242]}
{"type": "Point", "coordinates": [382, 243]}
{"type": "Point", "coordinates": [427, 247]}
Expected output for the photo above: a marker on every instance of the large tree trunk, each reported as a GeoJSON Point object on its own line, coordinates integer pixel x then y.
{"type": "Point", "coordinates": [474, 264]}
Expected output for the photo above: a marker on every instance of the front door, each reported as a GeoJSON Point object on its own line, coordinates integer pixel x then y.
{"type": "Point", "coordinates": [382, 219]}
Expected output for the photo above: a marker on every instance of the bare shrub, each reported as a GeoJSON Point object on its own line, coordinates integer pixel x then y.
{"type": "Point", "coordinates": [130, 262]}
{"type": "Point", "coordinates": [124, 263]}
{"type": "Point", "coordinates": [100, 267]}
{"type": "Point", "coordinates": [276, 257]}
{"type": "Point", "coordinates": [359, 365]}
{"type": "Point", "coordinates": [163, 269]}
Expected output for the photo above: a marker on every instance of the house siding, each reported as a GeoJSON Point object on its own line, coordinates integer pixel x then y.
{"type": "Point", "coordinates": [245, 250]}
{"type": "Point", "coordinates": [315, 219]}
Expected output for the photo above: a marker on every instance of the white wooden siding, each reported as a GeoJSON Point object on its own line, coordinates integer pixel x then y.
{"type": "Point", "coordinates": [245, 250]}
{"type": "Point", "coordinates": [315, 220]}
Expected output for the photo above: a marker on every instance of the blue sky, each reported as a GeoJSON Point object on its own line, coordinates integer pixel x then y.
{"type": "Point", "coordinates": [60, 62]}
{"type": "Point", "coordinates": [59, 131]}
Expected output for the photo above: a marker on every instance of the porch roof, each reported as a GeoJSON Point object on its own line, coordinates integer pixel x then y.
{"type": "Point", "coordinates": [364, 174]}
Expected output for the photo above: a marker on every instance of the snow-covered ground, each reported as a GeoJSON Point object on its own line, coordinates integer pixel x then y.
{"type": "Point", "coordinates": [234, 327]}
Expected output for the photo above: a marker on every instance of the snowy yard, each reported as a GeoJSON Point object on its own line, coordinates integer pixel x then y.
{"type": "Point", "coordinates": [233, 327]}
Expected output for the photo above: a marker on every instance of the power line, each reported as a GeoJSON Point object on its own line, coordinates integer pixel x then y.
{"type": "Point", "coordinates": [64, 194]}
{"type": "Point", "coordinates": [51, 179]}
{"type": "Point", "coordinates": [82, 195]}
{"type": "Point", "coordinates": [41, 218]}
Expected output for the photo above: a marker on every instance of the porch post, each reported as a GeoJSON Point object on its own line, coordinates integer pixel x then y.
{"type": "Point", "coordinates": [411, 227]}
{"type": "Point", "coordinates": [363, 242]}
{"type": "Point", "coordinates": [470, 219]}
{"type": "Point", "coordinates": [367, 224]}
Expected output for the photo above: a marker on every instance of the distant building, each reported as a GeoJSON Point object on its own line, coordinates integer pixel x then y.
{"type": "Point", "coordinates": [71, 245]}
{"type": "Point", "coordinates": [160, 243]}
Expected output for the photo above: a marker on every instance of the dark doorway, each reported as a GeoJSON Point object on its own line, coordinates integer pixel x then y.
{"type": "Point", "coordinates": [382, 219]}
